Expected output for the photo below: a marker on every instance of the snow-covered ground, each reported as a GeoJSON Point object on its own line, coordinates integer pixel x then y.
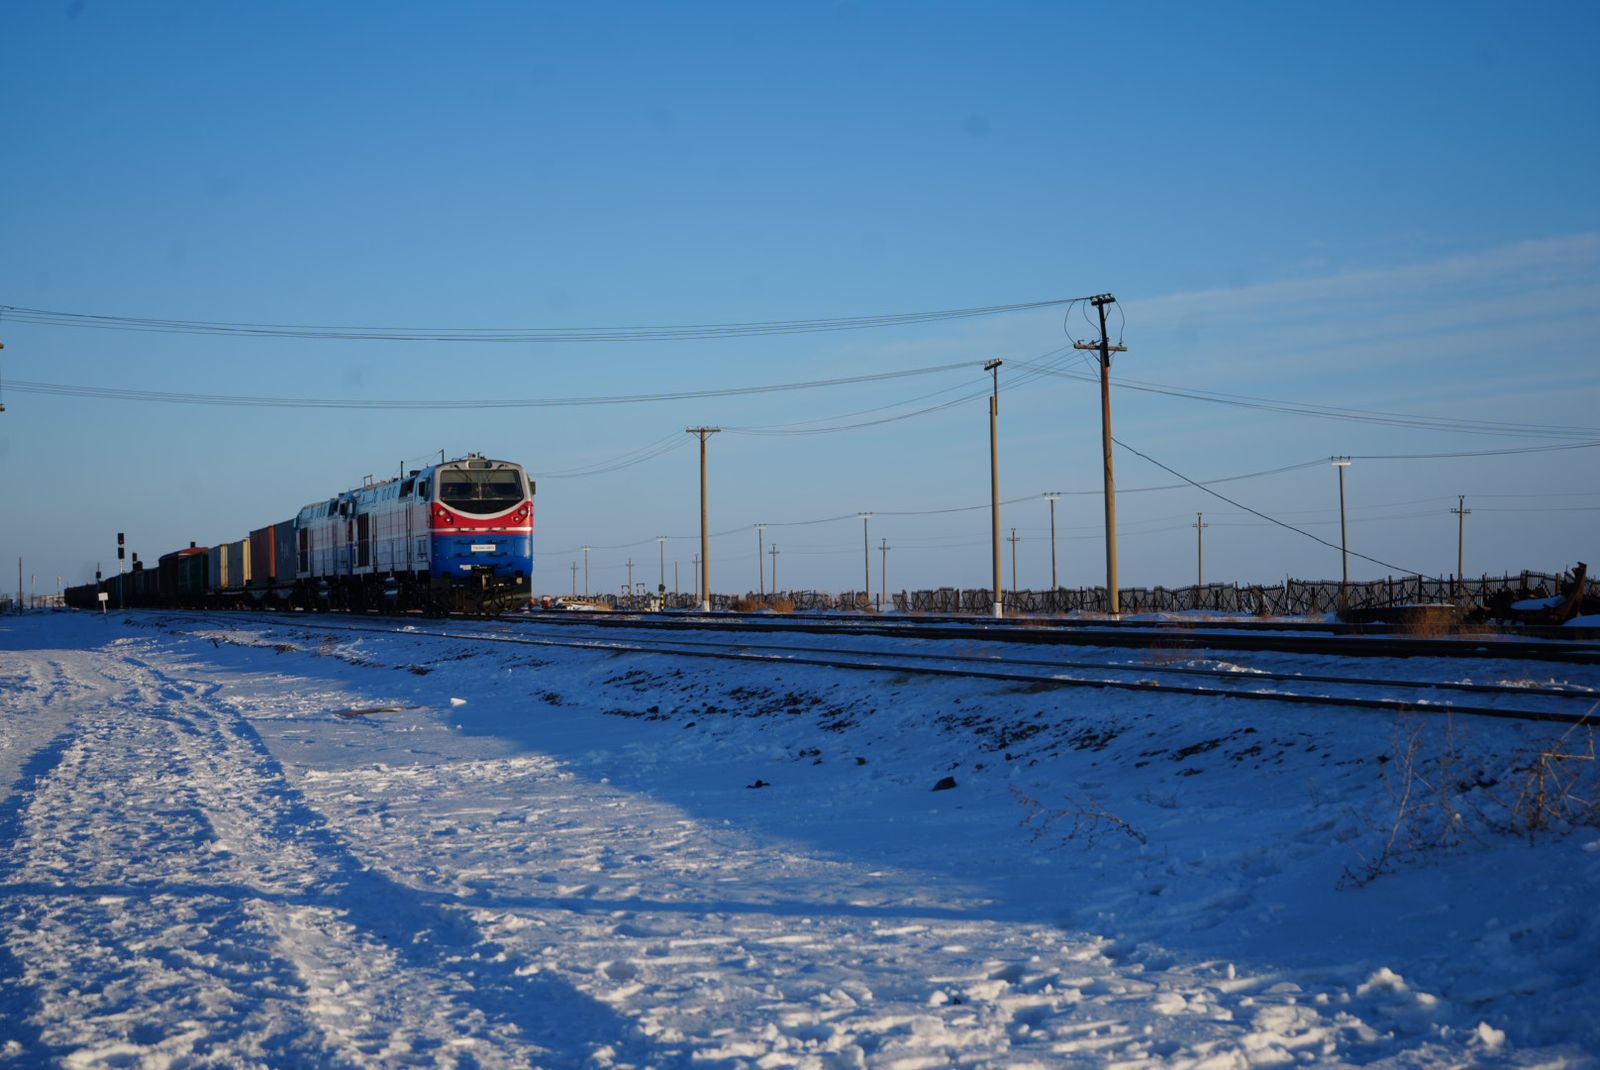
{"type": "Point", "coordinates": [252, 844]}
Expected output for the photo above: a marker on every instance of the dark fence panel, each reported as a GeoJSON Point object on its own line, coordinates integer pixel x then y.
{"type": "Point", "coordinates": [1290, 598]}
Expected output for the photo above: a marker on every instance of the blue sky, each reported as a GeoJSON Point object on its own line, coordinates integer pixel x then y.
{"type": "Point", "coordinates": [1367, 206]}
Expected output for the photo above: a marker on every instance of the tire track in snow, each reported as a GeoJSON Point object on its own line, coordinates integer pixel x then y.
{"type": "Point", "coordinates": [166, 871]}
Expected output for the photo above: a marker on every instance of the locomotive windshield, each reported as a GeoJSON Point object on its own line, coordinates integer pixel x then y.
{"type": "Point", "coordinates": [480, 492]}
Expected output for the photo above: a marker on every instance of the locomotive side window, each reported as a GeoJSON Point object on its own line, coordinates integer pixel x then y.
{"type": "Point", "coordinates": [422, 489]}
{"type": "Point", "coordinates": [480, 492]}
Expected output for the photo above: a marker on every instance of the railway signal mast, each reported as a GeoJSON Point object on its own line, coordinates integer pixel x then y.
{"type": "Point", "coordinates": [1105, 348]}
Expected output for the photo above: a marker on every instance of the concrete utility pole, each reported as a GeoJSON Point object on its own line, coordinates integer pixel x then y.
{"type": "Point", "coordinates": [674, 580]}
{"type": "Point", "coordinates": [1461, 512]}
{"type": "Point", "coordinates": [883, 575]}
{"type": "Point", "coordinates": [1100, 301]}
{"type": "Point", "coordinates": [705, 537]}
{"type": "Point", "coordinates": [694, 563]}
{"type": "Point", "coordinates": [1051, 498]}
{"type": "Point", "coordinates": [1013, 541]}
{"type": "Point", "coordinates": [1199, 526]}
{"type": "Point", "coordinates": [993, 367]}
{"type": "Point", "coordinates": [761, 581]}
{"type": "Point", "coordinates": [586, 572]}
{"type": "Point", "coordinates": [866, 558]}
{"type": "Point", "coordinates": [661, 541]}
{"type": "Point", "coordinates": [574, 579]}
{"type": "Point", "coordinates": [773, 553]}
{"type": "Point", "coordinates": [1341, 463]}
{"type": "Point", "coordinates": [630, 581]}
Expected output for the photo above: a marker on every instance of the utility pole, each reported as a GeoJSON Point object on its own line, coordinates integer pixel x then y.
{"type": "Point", "coordinates": [1199, 526]}
{"type": "Point", "coordinates": [1051, 498]}
{"type": "Point", "coordinates": [1100, 301]}
{"type": "Point", "coordinates": [574, 579]}
{"type": "Point", "coordinates": [883, 575]}
{"type": "Point", "coordinates": [993, 367]}
{"type": "Point", "coordinates": [1461, 512]}
{"type": "Point", "coordinates": [674, 581]}
{"type": "Point", "coordinates": [586, 572]}
{"type": "Point", "coordinates": [1013, 541]}
{"type": "Point", "coordinates": [1341, 463]}
{"type": "Point", "coordinates": [661, 541]}
{"type": "Point", "coordinates": [866, 559]}
{"type": "Point", "coordinates": [630, 581]}
{"type": "Point", "coordinates": [773, 553]}
{"type": "Point", "coordinates": [761, 582]}
{"type": "Point", "coordinates": [705, 538]}
{"type": "Point", "coordinates": [694, 563]}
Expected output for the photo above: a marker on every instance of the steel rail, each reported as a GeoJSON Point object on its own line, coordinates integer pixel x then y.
{"type": "Point", "coordinates": [1094, 635]}
{"type": "Point", "coordinates": [1507, 630]}
{"type": "Point", "coordinates": [737, 651]}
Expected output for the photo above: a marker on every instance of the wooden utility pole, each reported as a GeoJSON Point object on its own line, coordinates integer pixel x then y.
{"type": "Point", "coordinates": [1461, 512]}
{"type": "Point", "coordinates": [993, 367]}
{"type": "Point", "coordinates": [1013, 541]}
{"type": "Point", "coordinates": [1341, 463]}
{"type": "Point", "coordinates": [705, 537]}
{"type": "Point", "coordinates": [883, 574]}
{"type": "Point", "coordinates": [1105, 348]}
{"type": "Point", "coordinates": [761, 582]}
{"type": "Point", "coordinates": [1051, 498]}
{"type": "Point", "coordinates": [866, 558]}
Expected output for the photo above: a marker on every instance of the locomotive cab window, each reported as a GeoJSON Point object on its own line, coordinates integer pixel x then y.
{"type": "Point", "coordinates": [481, 492]}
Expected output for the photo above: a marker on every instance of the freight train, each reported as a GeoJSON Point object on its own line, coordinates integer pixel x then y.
{"type": "Point", "coordinates": [453, 537]}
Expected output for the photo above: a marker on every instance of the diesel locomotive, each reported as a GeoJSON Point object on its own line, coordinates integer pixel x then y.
{"type": "Point", "coordinates": [452, 537]}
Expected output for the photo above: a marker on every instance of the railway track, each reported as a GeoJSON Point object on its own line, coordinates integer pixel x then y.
{"type": "Point", "coordinates": [1567, 703]}
{"type": "Point", "coordinates": [1296, 638]}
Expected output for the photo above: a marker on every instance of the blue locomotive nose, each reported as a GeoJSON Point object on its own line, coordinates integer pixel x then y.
{"type": "Point", "coordinates": [504, 557]}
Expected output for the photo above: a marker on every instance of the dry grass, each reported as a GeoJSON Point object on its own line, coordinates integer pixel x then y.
{"type": "Point", "coordinates": [756, 603]}
{"type": "Point", "coordinates": [1429, 622]}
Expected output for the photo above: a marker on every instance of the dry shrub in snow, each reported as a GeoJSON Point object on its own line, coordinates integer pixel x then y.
{"type": "Point", "coordinates": [1077, 820]}
{"type": "Point", "coordinates": [1439, 794]}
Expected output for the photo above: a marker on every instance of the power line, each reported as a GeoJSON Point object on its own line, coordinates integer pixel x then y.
{"type": "Point", "coordinates": [1263, 516]}
{"type": "Point", "coordinates": [679, 332]}
{"type": "Point", "coordinates": [253, 401]}
{"type": "Point", "coordinates": [836, 518]}
{"type": "Point", "coordinates": [1331, 412]}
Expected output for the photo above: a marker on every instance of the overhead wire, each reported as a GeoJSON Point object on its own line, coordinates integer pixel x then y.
{"type": "Point", "coordinates": [1295, 408]}
{"type": "Point", "coordinates": [675, 332]}
{"type": "Point", "coordinates": [244, 400]}
{"type": "Point", "coordinates": [1259, 513]}
{"type": "Point", "coordinates": [639, 455]}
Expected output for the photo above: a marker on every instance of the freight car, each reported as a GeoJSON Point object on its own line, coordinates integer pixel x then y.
{"type": "Point", "coordinates": [455, 536]}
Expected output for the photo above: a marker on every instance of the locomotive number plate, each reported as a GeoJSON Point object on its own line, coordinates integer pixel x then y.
{"type": "Point", "coordinates": [483, 547]}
